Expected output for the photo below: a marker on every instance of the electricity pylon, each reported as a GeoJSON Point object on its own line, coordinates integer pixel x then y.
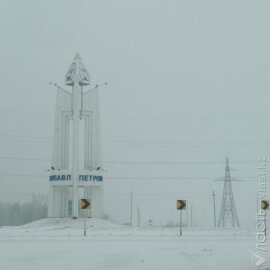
{"type": "Point", "coordinates": [228, 209]}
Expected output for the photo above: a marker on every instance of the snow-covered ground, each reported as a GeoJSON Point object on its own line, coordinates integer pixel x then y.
{"type": "Point", "coordinates": [59, 244]}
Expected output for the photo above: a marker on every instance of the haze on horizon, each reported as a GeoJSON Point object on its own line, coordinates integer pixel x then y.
{"type": "Point", "coordinates": [188, 86]}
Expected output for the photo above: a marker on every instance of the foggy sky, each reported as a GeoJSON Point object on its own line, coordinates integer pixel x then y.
{"type": "Point", "coordinates": [188, 86]}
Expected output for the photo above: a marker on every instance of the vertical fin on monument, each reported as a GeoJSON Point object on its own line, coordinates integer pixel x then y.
{"type": "Point", "coordinates": [90, 113]}
{"type": "Point", "coordinates": [60, 157]}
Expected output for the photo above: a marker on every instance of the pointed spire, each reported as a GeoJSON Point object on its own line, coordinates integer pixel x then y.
{"type": "Point", "coordinates": [77, 72]}
{"type": "Point", "coordinates": [77, 56]}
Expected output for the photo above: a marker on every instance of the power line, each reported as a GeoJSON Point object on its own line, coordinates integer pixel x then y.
{"type": "Point", "coordinates": [146, 144]}
{"type": "Point", "coordinates": [32, 113]}
{"type": "Point", "coordinates": [21, 193]}
{"type": "Point", "coordinates": [183, 145]}
{"type": "Point", "coordinates": [21, 175]}
{"type": "Point", "coordinates": [174, 162]}
{"type": "Point", "coordinates": [23, 158]}
{"type": "Point", "coordinates": [152, 178]}
{"type": "Point", "coordinates": [170, 178]}
{"type": "Point", "coordinates": [179, 142]}
{"type": "Point", "coordinates": [145, 117]}
{"type": "Point", "coordinates": [25, 136]}
{"type": "Point", "coordinates": [138, 162]}
{"type": "Point", "coordinates": [150, 142]}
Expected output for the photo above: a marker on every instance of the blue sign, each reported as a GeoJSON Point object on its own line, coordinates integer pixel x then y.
{"type": "Point", "coordinates": [83, 178]}
{"type": "Point", "coordinates": [62, 177]}
{"type": "Point", "coordinates": [93, 178]}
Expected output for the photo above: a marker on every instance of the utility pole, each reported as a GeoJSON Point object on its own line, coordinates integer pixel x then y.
{"type": "Point", "coordinates": [131, 207]}
{"type": "Point", "coordinates": [139, 218]}
{"type": "Point", "coordinates": [187, 215]}
{"type": "Point", "coordinates": [214, 203]}
{"type": "Point", "coordinates": [84, 222]}
{"type": "Point", "coordinates": [180, 227]}
{"type": "Point", "coordinates": [265, 223]}
{"type": "Point", "coordinates": [190, 215]}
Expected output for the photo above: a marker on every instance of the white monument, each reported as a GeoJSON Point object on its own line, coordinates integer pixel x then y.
{"type": "Point", "coordinates": [76, 170]}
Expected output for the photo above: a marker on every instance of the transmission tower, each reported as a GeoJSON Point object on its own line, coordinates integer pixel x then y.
{"type": "Point", "coordinates": [228, 209]}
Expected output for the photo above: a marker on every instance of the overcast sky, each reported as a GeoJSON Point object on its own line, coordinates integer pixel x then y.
{"type": "Point", "coordinates": [188, 86]}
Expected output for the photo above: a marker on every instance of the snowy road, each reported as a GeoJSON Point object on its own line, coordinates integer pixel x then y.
{"type": "Point", "coordinates": [64, 247]}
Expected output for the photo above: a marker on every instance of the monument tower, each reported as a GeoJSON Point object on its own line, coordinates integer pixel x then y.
{"type": "Point", "coordinates": [76, 169]}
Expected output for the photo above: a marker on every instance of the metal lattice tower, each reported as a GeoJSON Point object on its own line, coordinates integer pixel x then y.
{"type": "Point", "coordinates": [228, 209]}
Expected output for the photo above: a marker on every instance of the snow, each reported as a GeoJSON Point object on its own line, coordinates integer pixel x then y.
{"type": "Point", "coordinates": [60, 244]}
